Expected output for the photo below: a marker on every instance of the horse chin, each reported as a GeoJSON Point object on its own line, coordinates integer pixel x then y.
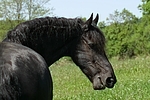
{"type": "Point", "coordinates": [98, 84]}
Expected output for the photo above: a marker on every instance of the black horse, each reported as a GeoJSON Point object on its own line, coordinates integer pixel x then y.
{"type": "Point", "coordinates": [24, 74]}
{"type": "Point", "coordinates": [54, 38]}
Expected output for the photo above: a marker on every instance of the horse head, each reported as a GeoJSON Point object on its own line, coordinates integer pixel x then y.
{"type": "Point", "coordinates": [89, 55]}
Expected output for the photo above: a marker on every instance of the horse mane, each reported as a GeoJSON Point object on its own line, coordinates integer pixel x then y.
{"type": "Point", "coordinates": [50, 26]}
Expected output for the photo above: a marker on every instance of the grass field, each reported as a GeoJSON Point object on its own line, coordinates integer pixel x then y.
{"type": "Point", "coordinates": [133, 83]}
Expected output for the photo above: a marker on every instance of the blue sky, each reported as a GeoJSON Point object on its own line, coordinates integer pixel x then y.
{"type": "Point", "coordinates": [84, 8]}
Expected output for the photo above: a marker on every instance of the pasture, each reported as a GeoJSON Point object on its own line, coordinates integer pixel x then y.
{"type": "Point", "coordinates": [133, 81]}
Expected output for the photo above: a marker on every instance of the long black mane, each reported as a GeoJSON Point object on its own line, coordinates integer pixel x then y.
{"type": "Point", "coordinates": [49, 26]}
{"type": "Point", "coordinates": [52, 34]}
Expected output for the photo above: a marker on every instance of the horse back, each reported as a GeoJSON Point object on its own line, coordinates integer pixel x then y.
{"type": "Point", "coordinates": [24, 74]}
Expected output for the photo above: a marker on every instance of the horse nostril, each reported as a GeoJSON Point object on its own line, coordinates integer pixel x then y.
{"type": "Point", "coordinates": [110, 82]}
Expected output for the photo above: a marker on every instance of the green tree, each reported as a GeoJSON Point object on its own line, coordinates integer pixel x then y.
{"type": "Point", "coordinates": [37, 8]}
{"type": "Point", "coordinates": [144, 26]}
{"type": "Point", "coordinates": [145, 7]}
{"type": "Point", "coordinates": [120, 33]}
{"type": "Point", "coordinates": [20, 10]}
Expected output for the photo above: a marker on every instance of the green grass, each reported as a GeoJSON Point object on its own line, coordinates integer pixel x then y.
{"type": "Point", "coordinates": [133, 83]}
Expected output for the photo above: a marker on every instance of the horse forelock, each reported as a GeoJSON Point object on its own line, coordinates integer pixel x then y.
{"type": "Point", "coordinates": [51, 26]}
{"type": "Point", "coordinates": [102, 39]}
{"type": "Point", "coordinates": [97, 37]}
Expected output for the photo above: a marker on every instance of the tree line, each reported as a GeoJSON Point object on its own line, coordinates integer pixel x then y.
{"type": "Point", "coordinates": [13, 12]}
{"type": "Point", "coordinates": [126, 35]}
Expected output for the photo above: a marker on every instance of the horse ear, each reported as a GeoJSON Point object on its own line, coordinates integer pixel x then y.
{"type": "Point", "coordinates": [89, 21]}
{"type": "Point", "coordinates": [96, 19]}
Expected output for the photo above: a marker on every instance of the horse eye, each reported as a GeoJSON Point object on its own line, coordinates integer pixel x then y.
{"type": "Point", "coordinates": [93, 61]}
{"type": "Point", "coordinates": [91, 45]}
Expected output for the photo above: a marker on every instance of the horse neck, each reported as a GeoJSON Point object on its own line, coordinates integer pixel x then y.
{"type": "Point", "coordinates": [50, 41]}
{"type": "Point", "coordinates": [52, 50]}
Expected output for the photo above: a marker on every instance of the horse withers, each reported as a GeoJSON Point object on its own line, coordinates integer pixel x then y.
{"type": "Point", "coordinates": [24, 74]}
{"type": "Point", "coordinates": [54, 38]}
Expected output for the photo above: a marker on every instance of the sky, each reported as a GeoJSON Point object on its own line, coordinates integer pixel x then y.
{"type": "Point", "coordinates": [84, 8]}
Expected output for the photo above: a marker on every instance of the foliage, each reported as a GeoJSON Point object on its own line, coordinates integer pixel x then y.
{"type": "Point", "coordinates": [71, 84]}
{"type": "Point", "coordinates": [145, 7]}
{"type": "Point", "coordinates": [126, 35]}
{"type": "Point", "coordinates": [19, 10]}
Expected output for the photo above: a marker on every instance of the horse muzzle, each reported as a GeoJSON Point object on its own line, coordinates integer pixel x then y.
{"type": "Point", "coordinates": [100, 83]}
